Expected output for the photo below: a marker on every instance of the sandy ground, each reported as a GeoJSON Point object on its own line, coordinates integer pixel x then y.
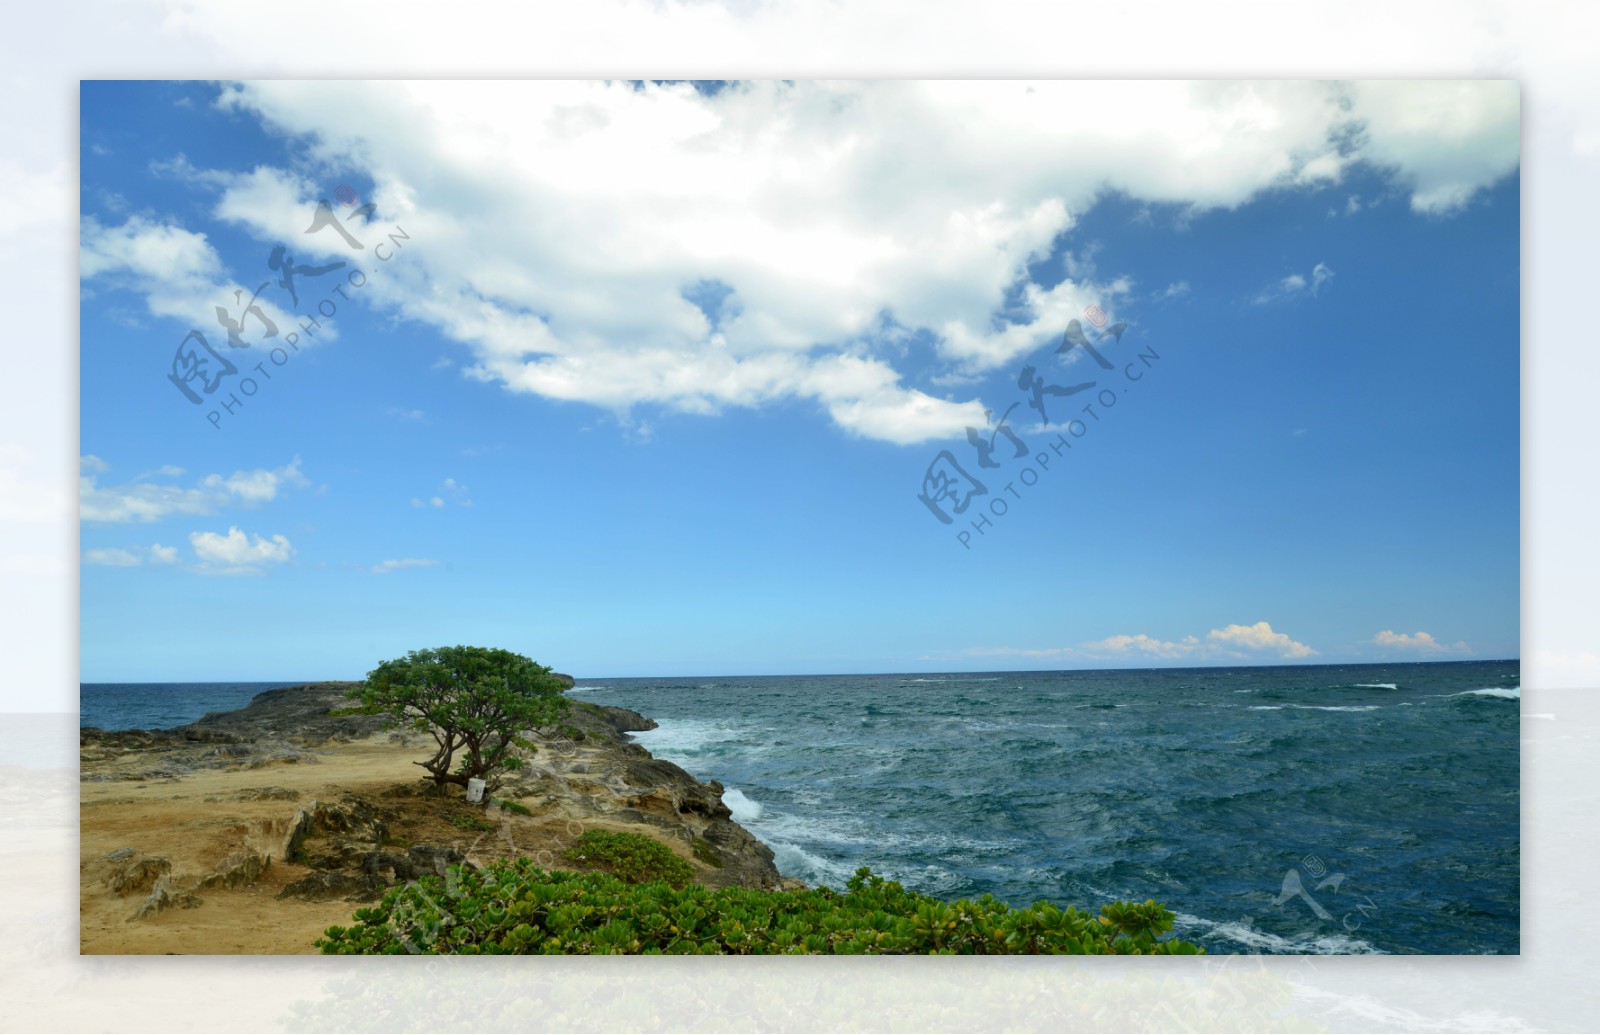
{"type": "Point", "coordinates": [195, 822]}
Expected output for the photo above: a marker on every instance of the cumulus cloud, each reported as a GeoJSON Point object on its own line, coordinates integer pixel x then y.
{"type": "Point", "coordinates": [1421, 642]}
{"type": "Point", "coordinates": [181, 276]}
{"type": "Point", "coordinates": [1442, 139]}
{"type": "Point", "coordinates": [1259, 638]}
{"type": "Point", "coordinates": [149, 499]}
{"type": "Point", "coordinates": [571, 228]}
{"type": "Point", "coordinates": [237, 553]}
{"type": "Point", "coordinates": [385, 567]}
{"type": "Point", "coordinates": [1229, 642]}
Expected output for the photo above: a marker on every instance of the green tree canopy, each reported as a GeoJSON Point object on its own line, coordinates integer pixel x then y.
{"type": "Point", "coordinates": [476, 702]}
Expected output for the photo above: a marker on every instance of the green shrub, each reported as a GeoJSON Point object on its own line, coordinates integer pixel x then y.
{"type": "Point", "coordinates": [516, 907]}
{"type": "Point", "coordinates": [513, 806]}
{"type": "Point", "coordinates": [634, 858]}
{"type": "Point", "coordinates": [462, 821]}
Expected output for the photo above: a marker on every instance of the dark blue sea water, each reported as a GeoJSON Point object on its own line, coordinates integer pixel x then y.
{"type": "Point", "coordinates": [1310, 809]}
{"type": "Point", "coordinates": [159, 706]}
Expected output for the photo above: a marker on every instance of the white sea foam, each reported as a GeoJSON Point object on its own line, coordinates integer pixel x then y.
{"type": "Point", "coordinates": [684, 736]}
{"type": "Point", "coordinates": [794, 861]}
{"type": "Point", "coordinates": [1338, 707]}
{"type": "Point", "coordinates": [1513, 693]}
{"type": "Point", "coordinates": [744, 809]}
{"type": "Point", "coordinates": [1379, 686]}
{"type": "Point", "coordinates": [1331, 943]}
{"type": "Point", "coordinates": [571, 688]}
{"type": "Point", "coordinates": [1316, 707]}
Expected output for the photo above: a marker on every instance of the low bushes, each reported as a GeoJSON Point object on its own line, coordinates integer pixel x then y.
{"type": "Point", "coordinates": [516, 907]}
{"type": "Point", "coordinates": [634, 858]}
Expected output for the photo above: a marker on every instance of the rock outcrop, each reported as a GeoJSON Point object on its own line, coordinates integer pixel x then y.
{"type": "Point", "coordinates": [586, 773]}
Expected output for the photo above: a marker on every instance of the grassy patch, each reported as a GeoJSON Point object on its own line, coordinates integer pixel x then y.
{"type": "Point", "coordinates": [631, 857]}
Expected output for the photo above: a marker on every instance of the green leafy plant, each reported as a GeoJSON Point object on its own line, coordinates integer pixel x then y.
{"type": "Point", "coordinates": [632, 857]}
{"type": "Point", "coordinates": [462, 821]}
{"type": "Point", "coordinates": [516, 907]}
{"type": "Point", "coordinates": [513, 806]}
{"type": "Point", "coordinates": [475, 702]}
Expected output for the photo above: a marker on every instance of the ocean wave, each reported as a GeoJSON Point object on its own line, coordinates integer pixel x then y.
{"type": "Point", "coordinates": [688, 736]}
{"type": "Point", "coordinates": [1316, 707]}
{"type": "Point", "coordinates": [1379, 686]}
{"type": "Point", "coordinates": [745, 810]}
{"type": "Point", "coordinates": [570, 688]}
{"type": "Point", "coordinates": [1329, 944]}
{"type": "Point", "coordinates": [1512, 693]}
{"type": "Point", "coordinates": [1338, 707]}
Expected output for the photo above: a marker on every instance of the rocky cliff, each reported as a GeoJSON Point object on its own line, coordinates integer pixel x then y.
{"type": "Point", "coordinates": [288, 797]}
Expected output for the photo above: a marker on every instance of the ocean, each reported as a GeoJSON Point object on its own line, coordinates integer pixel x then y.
{"type": "Point", "coordinates": [161, 706]}
{"type": "Point", "coordinates": [1299, 809]}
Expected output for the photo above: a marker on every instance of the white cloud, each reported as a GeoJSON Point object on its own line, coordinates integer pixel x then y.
{"type": "Point", "coordinates": [116, 558]}
{"type": "Point", "coordinates": [1233, 641]}
{"type": "Point", "coordinates": [450, 492]}
{"type": "Point", "coordinates": [237, 553]}
{"type": "Point", "coordinates": [147, 500]}
{"type": "Point", "coordinates": [385, 567]}
{"type": "Point", "coordinates": [1294, 285]}
{"type": "Point", "coordinates": [1176, 290]}
{"type": "Point", "coordinates": [131, 557]}
{"type": "Point", "coordinates": [820, 207]}
{"type": "Point", "coordinates": [1259, 637]}
{"type": "Point", "coordinates": [1443, 139]}
{"type": "Point", "coordinates": [180, 276]}
{"type": "Point", "coordinates": [1143, 644]}
{"type": "Point", "coordinates": [1421, 642]}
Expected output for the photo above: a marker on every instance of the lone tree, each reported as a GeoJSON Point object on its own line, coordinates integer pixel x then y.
{"type": "Point", "coordinates": [476, 702]}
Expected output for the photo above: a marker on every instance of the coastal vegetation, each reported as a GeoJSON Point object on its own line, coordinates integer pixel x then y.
{"type": "Point", "coordinates": [634, 858]}
{"type": "Point", "coordinates": [476, 703]}
{"type": "Point", "coordinates": [516, 907]}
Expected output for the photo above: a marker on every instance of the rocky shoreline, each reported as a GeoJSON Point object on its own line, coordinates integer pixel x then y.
{"type": "Point", "coordinates": [297, 800]}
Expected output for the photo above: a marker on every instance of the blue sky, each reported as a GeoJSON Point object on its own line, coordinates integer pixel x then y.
{"type": "Point", "coordinates": [650, 378]}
